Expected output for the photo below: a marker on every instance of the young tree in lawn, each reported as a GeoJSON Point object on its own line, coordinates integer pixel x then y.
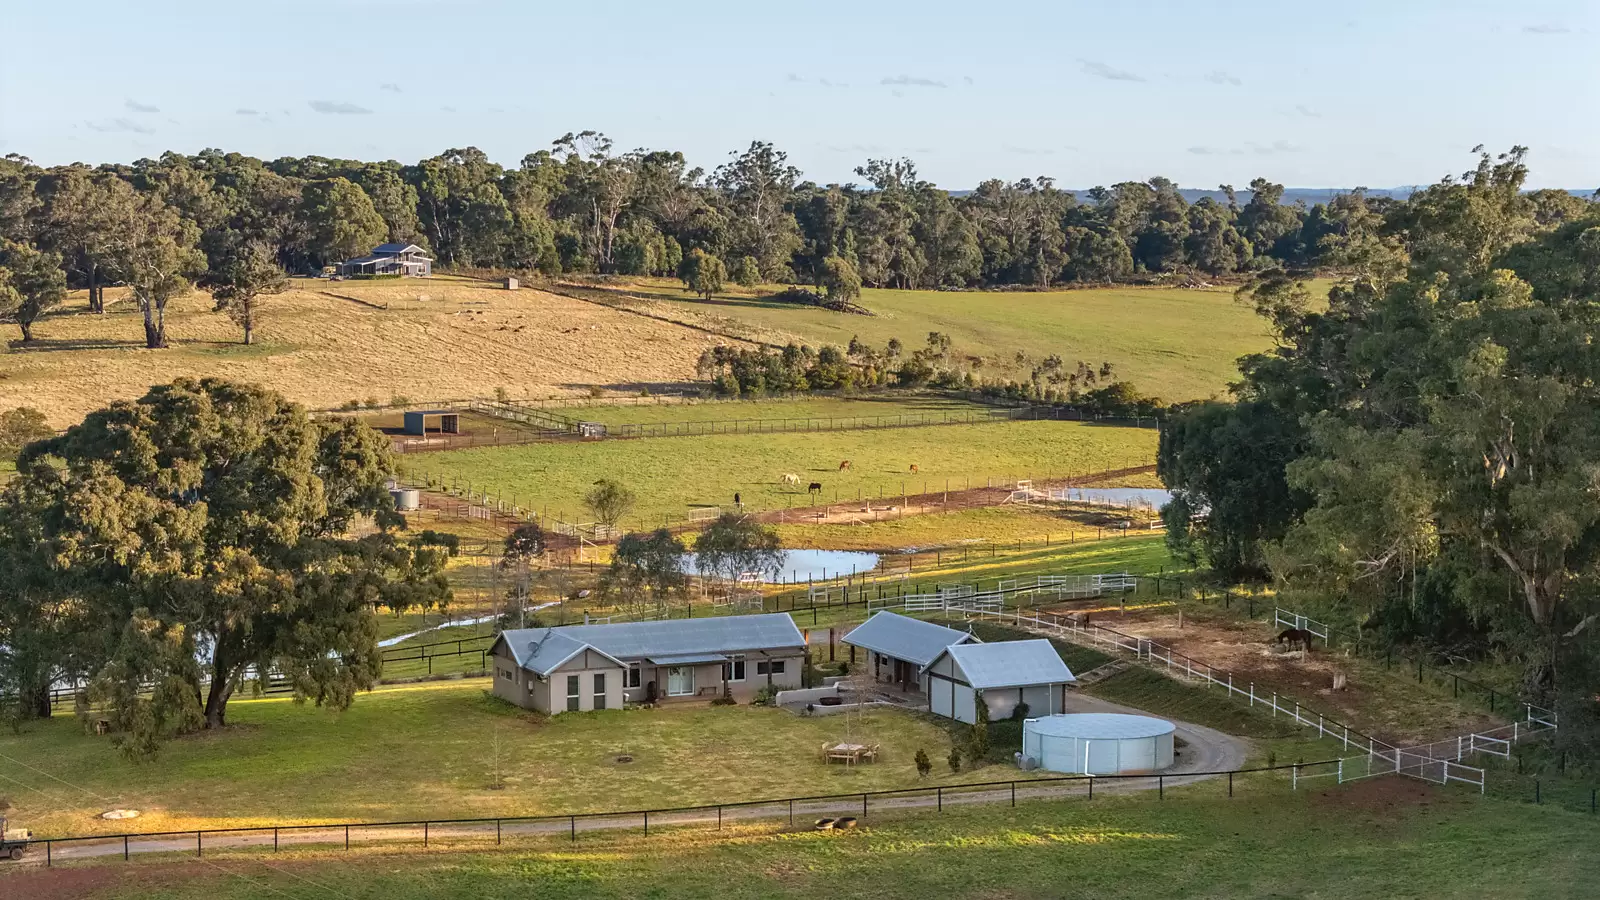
{"type": "Point", "coordinates": [160, 260]}
{"type": "Point", "coordinates": [247, 272]}
{"type": "Point", "coordinates": [840, 280]}
{"type": "Point", "coordinates": [735, 544]}
{"type": "Point", "coordinates": [609, 501]}
{"type": "Point", "coordinates": [31, 284]}
{"type": "Point", "coordinates": [522, 549]}
{"type": "Point", "coordinates": [205, 531]}
{"type": "Point", "coordinates": [647, 565]}
{"type": "Point", "coordinates": [702, 273]}
{"type": "Point", "coordinates": [747, 272]}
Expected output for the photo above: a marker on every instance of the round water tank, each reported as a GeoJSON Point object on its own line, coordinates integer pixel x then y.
{"type": "Point", "coordinates": [1098, 743]}
{"type": "Point", "coordinates": [406, 499]}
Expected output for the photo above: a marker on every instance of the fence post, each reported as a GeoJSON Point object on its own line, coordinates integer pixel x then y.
{"type": "Point", "coordinates": [347, 837]}
{"type": "Point", "coordinates": [572, 823]}
{"type": "Point", "coordinates": [863, 806]}
{"type": "Point", "coordinates": [274, 840]}
{"type": "Point", "coordinates": [1091, 787]}
{"type": "Point", "coordinates": [791, 813]}
{"type": "Point", "coordinates": [1294, 778]}
{"type": "Point", "coordinates": [647, 823]}
{"type": "Point", "coordinates": [424, 834]}
{"type": "Point", "coordinates": [1014, 797]}
{"type": "Point", "coordinates": [497, 832]}
{"type": "Point", "coordinates": [1161, 787]}
{"type": "Point", "coordinates": [1537, 798]}
{"type": "Point", "coordinates": [940, 797]}
{"type": "Point", "coordinates": [125, 847]}
{"type": "Point", "coordinates": [199, 848]}
{"type": "Point", "coordinates": [47, 859]}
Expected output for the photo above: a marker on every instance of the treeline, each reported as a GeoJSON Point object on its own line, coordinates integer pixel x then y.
{"type": "Point", "coordinates": [584, 207]}
{"type": "Point", "coordinates": [1424, 448]}
{"type": "Point", "coordinates": [797, 368]}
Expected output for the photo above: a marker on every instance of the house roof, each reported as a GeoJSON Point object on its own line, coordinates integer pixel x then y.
{"type": "Point", "coordinates": [689, 659]}
{"type": "Point", "coordinates": [1010, 664]}
{"type": "Point", "coordinates": [394, 249]}
{"type": "Point", "coordinates": [903, 637]}
{"type": "Point", "coordinates": [679, 639]}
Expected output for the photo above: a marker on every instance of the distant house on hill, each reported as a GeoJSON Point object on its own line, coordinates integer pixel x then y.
{"type": "Point", "coordinates": [390, 259]}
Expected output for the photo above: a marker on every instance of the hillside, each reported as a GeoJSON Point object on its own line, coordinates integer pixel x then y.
{"type": "Point", "coordinates": [444, 338]}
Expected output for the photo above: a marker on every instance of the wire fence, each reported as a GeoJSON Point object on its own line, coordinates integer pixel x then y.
{"type": "Point", "coordinates": [811, 812]}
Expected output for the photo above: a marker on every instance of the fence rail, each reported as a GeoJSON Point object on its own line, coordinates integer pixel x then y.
{"type": "Point", "coordinates": [568, 825]}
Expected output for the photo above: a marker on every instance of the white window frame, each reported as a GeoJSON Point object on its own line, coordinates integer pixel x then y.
{"type": "Point", "coordinates": [634, 677]}
{"type": "Point", "coordinates": [599, 690]}
{"type": "Point", "coordinates": [689, 670]}
{"type": "Point", "coordinates": [574, 693]}
{"type": "Point", "coordinates": [734, 670]}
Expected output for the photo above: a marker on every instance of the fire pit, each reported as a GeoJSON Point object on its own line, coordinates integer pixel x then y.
{"type": "Point", "coordinates": [830, 700]}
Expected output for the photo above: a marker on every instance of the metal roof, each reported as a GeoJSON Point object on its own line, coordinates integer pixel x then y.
{"type": "Point", "coordinates": [1010, 664]}
{"type": "Point", "coordinates": [903, 637]}
{"type": "Point", "coordinates": [653, 640]}
{"type": "Point", "coordinates": [388, 249]}
{"type": "Point", "coordinates": [689, 660]}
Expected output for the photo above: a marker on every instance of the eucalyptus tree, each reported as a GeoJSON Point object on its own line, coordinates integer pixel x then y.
{"type": "Point", "coordinates": [246, 273]}
{"type": "Point", "coordinates": [31, 284]}
{"type": "Point", "coordinates": [758, 185]}
{"type": "Point", "coordinates": [341, 221]}
{"type": "Point", "coordinates": [207, 534]}
{"type": "Point", "coordinates": [160, 262]}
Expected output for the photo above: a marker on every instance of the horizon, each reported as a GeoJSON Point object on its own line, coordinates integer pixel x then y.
{"type": "Point", "coordinates": [1083, 94]}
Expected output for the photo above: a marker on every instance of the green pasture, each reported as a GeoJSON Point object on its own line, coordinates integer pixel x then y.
{"type": "Point", "coordinates": [673, 475]}
{"type": "Point", "coordinates": [1174, 343]}
{"type": "Point", "coordinates": [799, 410]}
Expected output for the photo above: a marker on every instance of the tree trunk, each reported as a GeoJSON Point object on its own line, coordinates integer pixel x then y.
{"type": "Point", "coordinates": [217, 697]}
{"type": "Point", "coordinates": [97, 302]}
{"type": "Point", "coordinates": [155, 327]}
{"type": "Point", "coordinates": [27, 330]}
{"type": "Point", "coordinates": [249, 330]}
{"type": "Point", "coordinates": [39, 700]}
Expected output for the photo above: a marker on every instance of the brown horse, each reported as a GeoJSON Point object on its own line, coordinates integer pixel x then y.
{"type": "Point", "coordinates": [914, 469]}
{"type": "Point", "coordinates": [844, 464]}
{"type": "Point", "coordinates": [1292, 636]}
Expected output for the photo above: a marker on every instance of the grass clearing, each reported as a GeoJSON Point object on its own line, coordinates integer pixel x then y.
{"type": "Point", "coordinates": [428, 750]}
{"type": "Point", "coordinates": [673, 475]}
{"type": "Point", "coordinates": [1395, 839]}
{"type": "Point", "coordinates": [819, 409]}
{"type": "Point", "coordinates": [1174, 343]}
{"type": "Point", "coordinates": [997, 525]}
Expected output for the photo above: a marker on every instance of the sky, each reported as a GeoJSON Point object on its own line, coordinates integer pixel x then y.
{"type": "Point", "coordinates": [1205, 92]}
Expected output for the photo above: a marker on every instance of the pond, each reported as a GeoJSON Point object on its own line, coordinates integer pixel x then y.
{"type": "Point", "coordinates": [1152, 498]}
{"type": "Point", "coordinates": [804, 565]}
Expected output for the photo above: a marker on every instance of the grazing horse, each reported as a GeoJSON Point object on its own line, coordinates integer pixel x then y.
{"type": "Point", "coordinates": [1292, 636]}
{"type": "Point", "coordinates": [914, 469]}
{"type": "Point", "coordinates": [844, 464]}
{"type": "Point", "coordinates": [790, 478]}
{"type": "Point", "coordinates": [815, 488]}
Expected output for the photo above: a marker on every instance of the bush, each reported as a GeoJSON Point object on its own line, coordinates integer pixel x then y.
{"type": "Point", "coordinates": [767, 696]}
{"type": "Point", "coordinates": [1020, 713]}
{"type": "Point", "coordinates": [924, 765]}
{"type": "Point", "coordinates": [368, 276]}
{"type": "Point", "coordinates": [954, 759]}
{"type": "Point", "coordinates": [596, 392]}
{"type": "Point", "coordinates": [727, 697]}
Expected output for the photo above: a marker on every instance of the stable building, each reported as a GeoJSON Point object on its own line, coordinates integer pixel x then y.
{"type": "Point", "coordinates": [1003, 674]}
{"type": "Point", "coordinates": [577, 668]}
{"type": "Point", "coordinates": [899, 648]}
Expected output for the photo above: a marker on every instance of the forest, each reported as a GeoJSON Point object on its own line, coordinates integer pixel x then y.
{"type": "Point", "coordinates": [582, 206]}
{"type": "Point", "coordinates": [1421, 452]}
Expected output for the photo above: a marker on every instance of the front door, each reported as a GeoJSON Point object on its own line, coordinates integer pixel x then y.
{"type": "Point", "coordinates": [680, 681]}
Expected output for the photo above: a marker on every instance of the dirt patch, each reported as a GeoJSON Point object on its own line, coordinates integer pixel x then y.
{"type": "Point", "coordinates": [77, 882]}
{"type": "Point", "coordinates": [1383, 797]}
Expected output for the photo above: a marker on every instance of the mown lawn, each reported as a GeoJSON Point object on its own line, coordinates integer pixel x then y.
{"type": "Point", "coordinates": [673, 475]}
{"type": "Point", "coordinates": [1376, 841]}
{"type": "Point", "coordinates": [428, 750]}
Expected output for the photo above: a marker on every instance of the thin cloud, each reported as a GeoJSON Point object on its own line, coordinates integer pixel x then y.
{"type": "Point", "coordinates": [968, 80]}
{"type": "Point", "coordinates": [1218, 76]}
{"type": "Point", "coordinates": [1275, 148]}
{"type": "Point", "coordinates": [136, 106]}
{"type": "Point", "coordinates": [1207, 151]}
{"type": "Point", "coordinates": [912, 81]}
{"type": "Point", "coordinates": [389, 86]}
{"type": "Point", "coordinates": [856, 148]}
{"type": "Point", "coordinates": [330, 108]}
{"type": "Point", "coordinates": [794, 79]}
{"type": "Point", "coordinates": [1307, 111]}
{"type": "Point", "coordinates": [1547, 28]}
{"type": "Point", "coordinates": [1109, 73]}
{"type": "Point", "coordinates": [1029, 151]}
{"type": "Point", "coordinates": [246, 112]}
{"type": "Point", "coordinates": [121, 125]}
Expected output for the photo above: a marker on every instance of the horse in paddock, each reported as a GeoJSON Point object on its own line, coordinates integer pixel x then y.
{"type": "Point", "coordinates": [789, 478]}
{"type": "Point", "coordinates": [844, 464]}
{"type": "Point", "coordinates": [1293, 636]}
{"type": "Point", "coordinates": [914, 469]}
{"type": "Point", "coordinates": [815, 488]}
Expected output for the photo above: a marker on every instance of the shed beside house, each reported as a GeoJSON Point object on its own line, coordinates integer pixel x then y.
{"type": "Point", "coordinates": [899, 647]}
{"type": "Point", "coordinates": [1004, 673]}
{"type": "Point", "coordinates": [583, 667]}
